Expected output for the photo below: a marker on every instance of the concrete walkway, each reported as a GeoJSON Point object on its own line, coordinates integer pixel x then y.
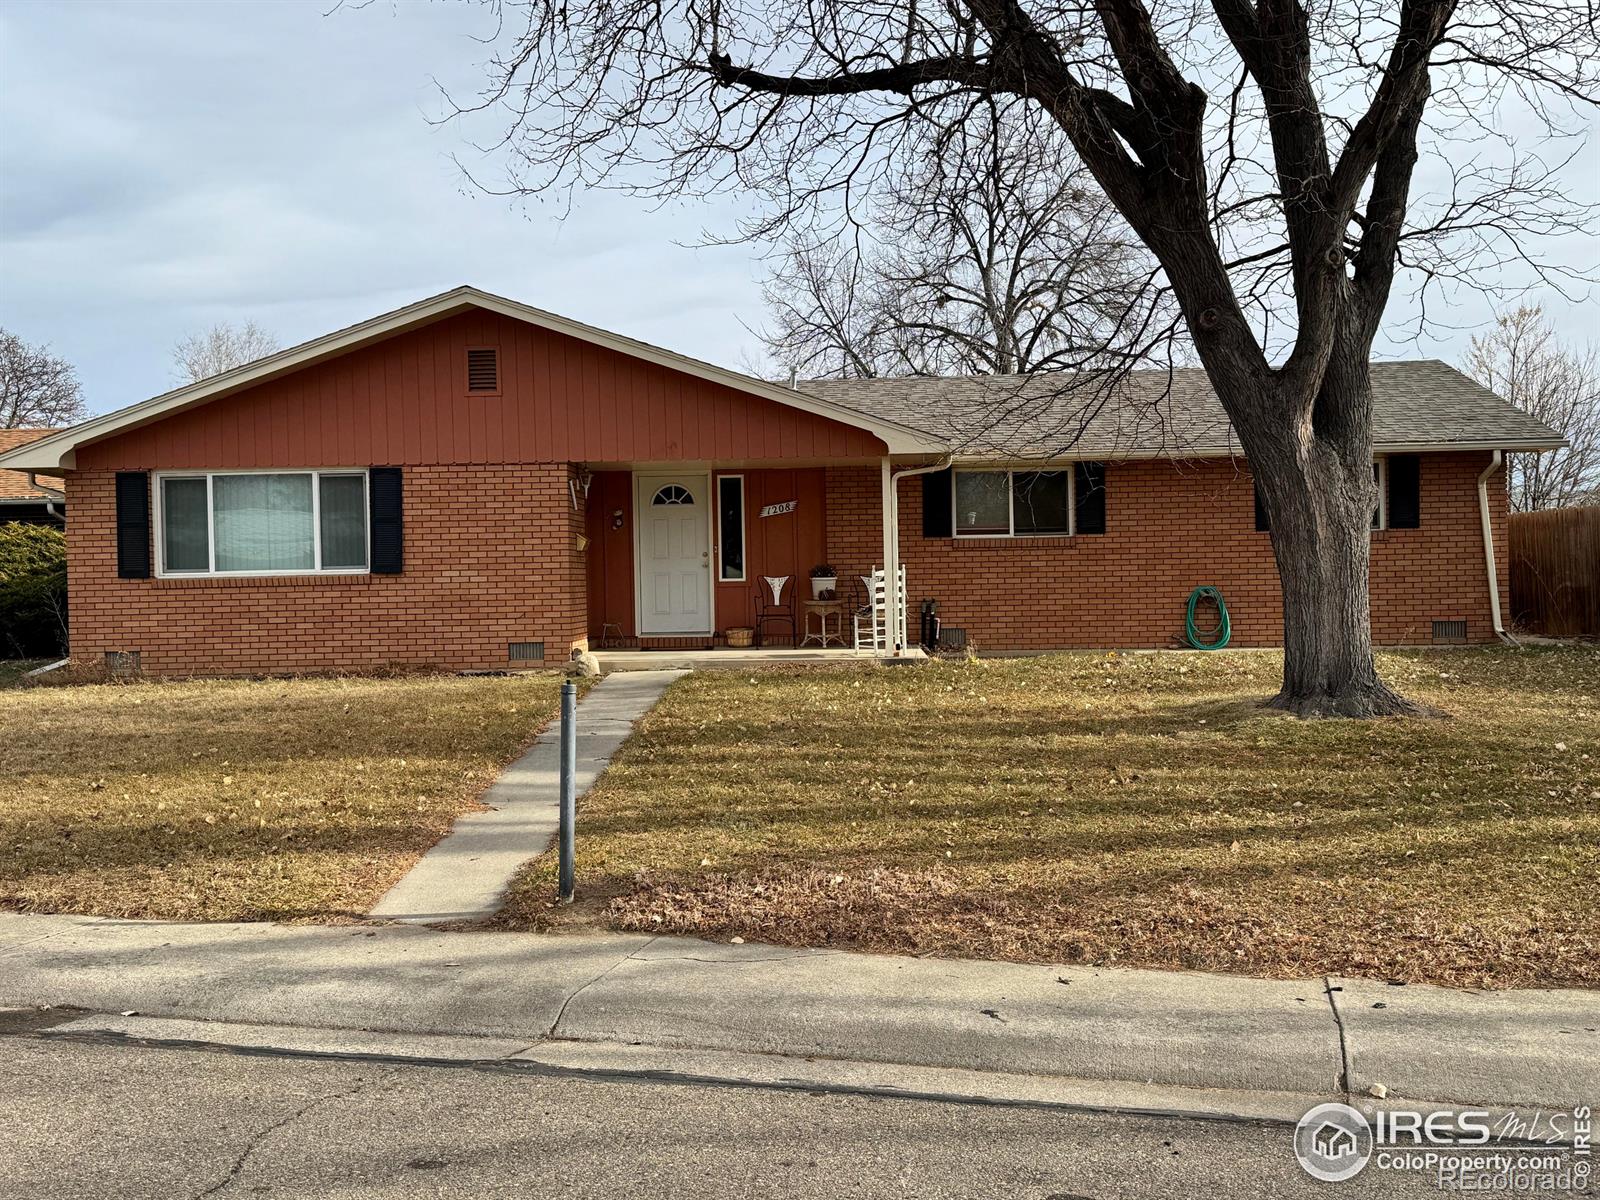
{"type": "Point", "coordinates": [1252, 1047]}
{"type": "Point", "coordinates": [464, 877]}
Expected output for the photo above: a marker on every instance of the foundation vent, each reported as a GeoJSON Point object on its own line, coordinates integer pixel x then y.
{"type": "Point", "coordinates": [525, 651]}
{"type": "Point", "coordinates": [1449, 631]}
{"type": "Point", "coordinates": [122, 664]}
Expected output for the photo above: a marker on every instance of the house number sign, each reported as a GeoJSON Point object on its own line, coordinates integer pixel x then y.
{"type": "Point", "coordinates": [777, 510]}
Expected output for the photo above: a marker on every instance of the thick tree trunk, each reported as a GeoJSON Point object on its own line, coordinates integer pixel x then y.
{"type": "Point", "coordinates": [1317, 484]}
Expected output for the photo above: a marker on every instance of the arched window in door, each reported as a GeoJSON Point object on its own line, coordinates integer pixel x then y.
{"type": "Point", "coordinates": [673, 494]}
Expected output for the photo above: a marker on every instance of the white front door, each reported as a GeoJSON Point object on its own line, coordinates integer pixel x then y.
{"type": "Point", "coordinates": [673, 519]}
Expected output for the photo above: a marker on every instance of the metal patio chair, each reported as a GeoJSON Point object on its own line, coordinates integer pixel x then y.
{"type": "Point", "coordinates": [771, 606]}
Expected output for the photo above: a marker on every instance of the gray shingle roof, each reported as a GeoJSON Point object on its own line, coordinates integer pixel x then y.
{"type": "Point", "coordinates": [1416, 405]}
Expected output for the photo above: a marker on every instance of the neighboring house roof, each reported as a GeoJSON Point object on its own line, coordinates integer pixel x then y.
{"type": "Point", "coordinates": [57, 451]}
{"type": "Point", "coordinates": [1422, 405]}
{"type": "Point", "coordinates": [1417, 405]}
{"type": "Point", "coordinates": [14, 485]}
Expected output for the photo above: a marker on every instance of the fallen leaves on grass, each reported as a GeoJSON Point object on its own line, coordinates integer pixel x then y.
{"type": "Point", "coordinates": [1138, 809]}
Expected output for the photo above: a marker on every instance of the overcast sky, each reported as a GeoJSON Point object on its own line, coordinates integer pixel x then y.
{"type": "Point", "coordinates": [165, 166]}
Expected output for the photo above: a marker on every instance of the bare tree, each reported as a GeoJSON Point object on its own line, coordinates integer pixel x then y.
{"type": "Point", "coordinates": [37, 389]}
{"type": "Point", "coordinates": [1263, 151]}
{"type": "Point", "coordinates": [220, 348]}
{"type": "Point", "coordinates": [1522, 361]}
{"type": "Point", "coordinates": [1020, 268]}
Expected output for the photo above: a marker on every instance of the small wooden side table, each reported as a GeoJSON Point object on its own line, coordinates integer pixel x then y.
{"type": "Point", "coordinates": [828, 627]}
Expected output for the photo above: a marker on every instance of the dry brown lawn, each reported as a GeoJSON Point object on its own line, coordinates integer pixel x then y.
{"type": "Point", "coordinates": [1136, 809]}
{"type": "Point", "coordinates": [244, 800]}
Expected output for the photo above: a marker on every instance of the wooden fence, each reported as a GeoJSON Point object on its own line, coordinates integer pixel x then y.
{"type": "Point", "coordinates": [1555, 571]}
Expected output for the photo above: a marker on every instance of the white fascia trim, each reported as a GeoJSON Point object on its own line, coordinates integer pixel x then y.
{"type": "Point", "coordinates": [1523, 447]}
{"type": "Point", "coordinates": [57, 451]}
{"type": "Point", "coordinates": [1003, 462]}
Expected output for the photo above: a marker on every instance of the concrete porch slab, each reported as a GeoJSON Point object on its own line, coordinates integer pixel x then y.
{"type": "Point", "coordinates": [727, 658]}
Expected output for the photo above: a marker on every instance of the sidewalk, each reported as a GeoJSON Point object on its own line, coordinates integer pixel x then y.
{"type": "Point", "coordinates": [465, 876]}
{"type": "Point", "coordinates": [1143, 1029]}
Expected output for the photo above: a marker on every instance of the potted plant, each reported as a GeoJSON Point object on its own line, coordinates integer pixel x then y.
{"type": "Point", "coordinates": [824, 579]}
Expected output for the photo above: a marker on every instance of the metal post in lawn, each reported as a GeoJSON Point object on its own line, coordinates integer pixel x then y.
{"type": "Point", "coordinates": [569, 761]}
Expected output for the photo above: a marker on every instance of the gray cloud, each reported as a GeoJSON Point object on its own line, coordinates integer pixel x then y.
{"type": "Point", "coordinates": [164, 166]}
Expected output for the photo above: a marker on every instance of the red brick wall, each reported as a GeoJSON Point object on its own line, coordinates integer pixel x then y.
{"type": "Point", "coordinates": [1169, 528]}
{"type": "Point", "coordinates": [491, 557]}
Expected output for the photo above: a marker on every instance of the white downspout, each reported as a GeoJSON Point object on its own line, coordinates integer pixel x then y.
{"type": "Point", "coordinates": [1488, 548]}
{"type": "Point", "coordinates": [891, 545]}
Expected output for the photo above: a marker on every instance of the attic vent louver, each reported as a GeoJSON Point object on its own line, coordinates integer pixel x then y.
{"type": "Point", "coordinates": [483, 370]}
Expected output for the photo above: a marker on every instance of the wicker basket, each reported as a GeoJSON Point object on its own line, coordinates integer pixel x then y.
{"type": "Point", "coordinates": [741, 637]}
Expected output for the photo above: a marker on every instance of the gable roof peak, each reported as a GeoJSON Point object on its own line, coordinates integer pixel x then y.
{"type": "Point", "coordinates": [58, 450]}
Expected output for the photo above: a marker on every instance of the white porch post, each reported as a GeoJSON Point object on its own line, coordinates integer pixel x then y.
{"type": "Point", "coordinates": [891, 555]}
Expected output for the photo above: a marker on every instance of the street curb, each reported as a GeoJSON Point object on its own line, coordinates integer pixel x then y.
{"type": "Point", "coordinates": [1126, 1029]}
{"type": "Point", "coordinates": [669, 1065]}
{"type": "Point", "coordinates": [617, 1062]}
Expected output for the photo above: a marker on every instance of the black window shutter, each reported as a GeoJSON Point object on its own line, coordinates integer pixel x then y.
{"type": "Point", "coordinates": [1405, 491]}
{"type": "Point", "coordinates": [1089, 497]}
{"type": "Point", "coordinates": [133, 525]}
{"type": "Point", "coordinates": [937, 517]}
{"type": "Point", "coordinates": [387, 520]}
{"type": "Point", "coordinates": [1262, 524]}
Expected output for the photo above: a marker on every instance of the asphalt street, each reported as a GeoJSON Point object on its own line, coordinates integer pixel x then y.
{"type": "Point", "coordinates": [93, 1119]}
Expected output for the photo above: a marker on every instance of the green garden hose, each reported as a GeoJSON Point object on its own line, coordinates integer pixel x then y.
{"type": "Point", "coordinates": [1221, 633]}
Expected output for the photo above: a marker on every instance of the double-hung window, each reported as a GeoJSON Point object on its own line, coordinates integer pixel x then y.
{"type": "Point", "coordinates": [1012, 503]}
{"type": "Point", "coordinates": [262, 522]}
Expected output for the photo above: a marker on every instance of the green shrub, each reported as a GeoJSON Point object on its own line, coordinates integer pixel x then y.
{"type": "Point", "coordinates": [33, 591]}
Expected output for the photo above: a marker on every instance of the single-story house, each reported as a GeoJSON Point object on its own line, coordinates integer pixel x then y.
{"type": "Point", "coordinates": [29, 497]}
{"type": "Point", "coordinates": [470, 482]}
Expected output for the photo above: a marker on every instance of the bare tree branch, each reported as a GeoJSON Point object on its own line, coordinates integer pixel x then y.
{"type": "Point", "coordinates": [1521, 360]}
{"type": "Point", "coordinates": [37, 389]}
{"type": "Point", "coordinates": [221, 348]}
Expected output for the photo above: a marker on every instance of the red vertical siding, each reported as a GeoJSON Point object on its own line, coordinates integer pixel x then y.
{"type": "Point", "coordinates": [789, 544]}
{"type": "Point", "coordinates": [404, 402]}
{"type": "Point", "coordinates": [610, 554]}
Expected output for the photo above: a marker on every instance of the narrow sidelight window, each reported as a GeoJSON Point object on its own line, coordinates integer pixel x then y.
{"type": "Point", "coordinates": [730, 528]}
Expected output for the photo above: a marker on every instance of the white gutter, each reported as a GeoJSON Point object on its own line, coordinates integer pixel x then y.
{"type": "Point", "coordinates": [1488, 547]}
{"type": "Point", "coordinates": [896, 632]}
